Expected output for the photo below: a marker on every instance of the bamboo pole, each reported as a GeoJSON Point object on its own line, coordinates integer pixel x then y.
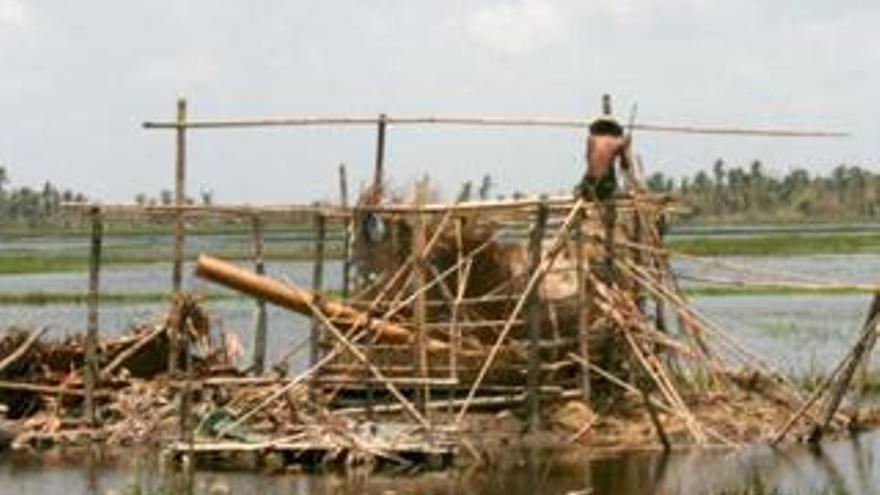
{"type": "Point", "coordinates": [179, 229]}
{"type": "Point", "coordinates": [317, 287]}
{"type": "Point", "coordinates": [582, 307]}
{"type": "Point", "coordinates": [546, 263]}
{"type": "Point", "coordinates": [296, 299]}
{"type": "Point", "coordinates": [379, 170]}
{"type": "Point", "coordinates": [633, 390]}
{"type": "Point", "coordinates": [420, 310]}
{"type": "Point", "coordinates": [51, 389]}
{"type": "Point", "coordinates": [91, 369]}
{"type": "Point", "coordinates": [516, 208]}
{"type": "Point", "coordinates": [132, 349]}
{"type": "Point", "coordinates": [357, 354]}
{"type": "Point", "coordinates": [287, 387]}
{"type": "Point", "coordinates": [17, 354]}
{"type": "Point", "coordinates": [349, 230]}
{"type": "Point", "coordinates": [187, 428]}
{"type": "Point", "coordinates": [655, 420]}
{"type": "Point", "coordinates": [854, 359]}
{"type": "Point", "coordinates": [534, 315]}
{"type": "Point", "coordinates": [487, 121]}
{"type": "Point", "coordinates": [260, 330]}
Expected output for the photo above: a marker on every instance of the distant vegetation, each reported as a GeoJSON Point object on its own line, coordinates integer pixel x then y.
{"type": "Point", "coordinates": [722, 194]}
{"type": "Point", "coordinates": [728, 194]}
{"type": "Point", "coordinates": [32, 206]}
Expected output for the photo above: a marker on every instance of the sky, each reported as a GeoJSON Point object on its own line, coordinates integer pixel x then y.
{"type": "Point", "coordinates": [77, 79]}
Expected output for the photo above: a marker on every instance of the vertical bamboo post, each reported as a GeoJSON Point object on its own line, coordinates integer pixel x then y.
{"type": "Point", "coordinates": [582, 307]}
{"type": "Point", "coordinates": [659, 303]}
{"type": "Point", "coordinates": [420, 309]}
{"type": "Point", "coordinates": [187, 428]}
{"type": "Point", "coordinates": [179, 233]}
{"type": "Point", "coordinates": [379, 172]}
{"type": "Point", "coordinates": [455, 331]}
{"type": "Point", "coordinates": [320, 223]}
{"type": "Point", "coordinates": [92, 368]}
{"type": "Point", "coordinates": [260, 330]}
{"type": "Point", "coordinates": [534, 320]}
{"type": "Point", "coordinates": [609, 220]}
{"type": "Point", "coordinates": [640, 239]}
{"type": "Point", "coordinates": [346, 242]}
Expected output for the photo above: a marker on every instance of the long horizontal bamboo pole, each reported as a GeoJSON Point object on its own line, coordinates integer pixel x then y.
{"type": "Point", "coordinates": [563, 123]}
{"type": "Point", "coordinates": [557, 203]}
{"type": "Point", "coordinates": [296, 299]}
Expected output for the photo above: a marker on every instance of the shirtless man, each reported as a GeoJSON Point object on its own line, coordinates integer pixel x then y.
{"type": "Point", "coordinates": [605, 144]}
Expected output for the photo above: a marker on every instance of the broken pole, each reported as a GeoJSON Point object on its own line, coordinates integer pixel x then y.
{"type": "Point", "coordinates": [179, 231]}
{"type": "Point", "coordinates": [92, 368]}
{"type": "Point", "coordinates": [260, 330]}
{"type": "Point", "coordinates": [863, 347]}
{"type": "Point", "coordinates": [349, 227]}
{"type": "Point", "coordinates": [534, 319]}
{"type": "Point", "coordinates": [294, 298]}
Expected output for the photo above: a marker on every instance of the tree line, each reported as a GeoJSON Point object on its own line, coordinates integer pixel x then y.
{"type": "Point", "coordinates": [723, 193]}
{"type": "Point", "coordinates": [33, 205]}
{"type": "Point", "coordinates": [733, 194]}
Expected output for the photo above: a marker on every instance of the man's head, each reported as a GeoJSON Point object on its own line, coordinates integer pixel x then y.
{"type": "Point", "coordinates": [606, 126]}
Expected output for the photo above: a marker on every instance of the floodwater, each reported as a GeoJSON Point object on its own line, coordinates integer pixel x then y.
{"type": "Point", "coordinates": [801, 334]}
{"type": "Point", "coordinates": [840, 467]}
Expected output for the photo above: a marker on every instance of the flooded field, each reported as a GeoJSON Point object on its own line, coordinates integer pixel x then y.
{"type": "Point", "coordinates": [800, 333]}
{"type": "Point", "coordinates": [839, 467]}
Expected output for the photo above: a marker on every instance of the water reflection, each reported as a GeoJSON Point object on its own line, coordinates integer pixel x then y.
{"type": "Point", "coordinates": [840, 467]}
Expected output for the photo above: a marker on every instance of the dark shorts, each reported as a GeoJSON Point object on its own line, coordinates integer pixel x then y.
{"type": "Point", "coordinates": [601, 188]}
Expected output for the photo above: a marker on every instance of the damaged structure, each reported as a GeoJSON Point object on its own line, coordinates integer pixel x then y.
{"type": "Point", "coordinates": [556, 316]}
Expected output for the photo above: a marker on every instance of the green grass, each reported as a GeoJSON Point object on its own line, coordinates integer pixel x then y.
{"type": "Point", "coordinates": [39, 298]}
{"type": "Point", "coordinates": [77, 228]}
{"type": "Point", "coordinates": [30, 261]}
{"type": "Point", "coordinates": [710, 291]}
{"type": "Point", "coordinates": [777, 244]}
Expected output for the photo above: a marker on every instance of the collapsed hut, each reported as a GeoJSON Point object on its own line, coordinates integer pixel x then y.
{"type": "Point", "coordinates": [558, 316]}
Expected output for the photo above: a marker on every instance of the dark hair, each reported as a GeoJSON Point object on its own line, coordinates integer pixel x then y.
{"type": "Point", "coordinates": [605, 127]}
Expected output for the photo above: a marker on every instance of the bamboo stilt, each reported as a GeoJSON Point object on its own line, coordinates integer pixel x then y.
{"type": "Point", "coordinates": [349, 228]}
{"type": "Point", "coordinates": [420, 310]}
{"type": "Point", "coordinates": [582, 307]}
{"type": "Point", "coordinates": [317, 286]}
{"type": "Point", "coordinates": [179, 227]}
{"type": "Point", "coordinates": [260, 330]}
{"type": "Point", "coordinates": [534, 320]}
{"type": "Point", "coordinates": [91, 368]}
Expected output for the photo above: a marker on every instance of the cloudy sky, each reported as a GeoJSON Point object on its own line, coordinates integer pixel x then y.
{"type": "Point", "coordinates": [78, 77]}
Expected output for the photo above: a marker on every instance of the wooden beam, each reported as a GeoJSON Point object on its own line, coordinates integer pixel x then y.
{"type": "Point", "coordinates": [299, 300]}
